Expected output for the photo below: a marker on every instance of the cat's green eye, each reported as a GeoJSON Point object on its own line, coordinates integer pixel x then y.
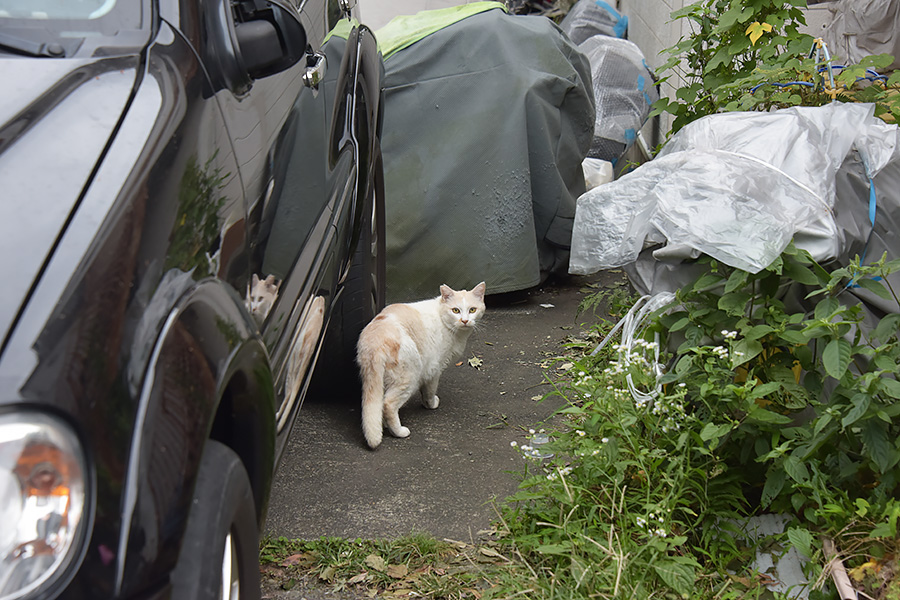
{"type": "Point", "coordinates": [456, 311]}
{"type": "Point", "coordinates": [473, 309]}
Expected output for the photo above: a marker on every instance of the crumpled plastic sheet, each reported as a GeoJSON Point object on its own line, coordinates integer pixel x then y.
{"type": "Point", "coordinates": [735, 186]}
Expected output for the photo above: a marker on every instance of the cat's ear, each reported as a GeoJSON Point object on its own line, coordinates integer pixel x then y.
{"type": "Point", "coordinates": [446, 293]}
{"type": "Point", "coordinates": [254, 281]}
{"type": "Point", "coordinates": [270, 280]}
{"type": "Point", "coordinates": [478, 290]}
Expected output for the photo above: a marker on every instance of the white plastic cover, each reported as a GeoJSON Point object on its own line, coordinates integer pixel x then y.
{"type": "Point", "coordinates": [735, 186]}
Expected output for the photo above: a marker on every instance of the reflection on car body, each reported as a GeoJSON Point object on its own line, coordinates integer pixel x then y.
{"type": "Point", "coordinates": [158, 159]}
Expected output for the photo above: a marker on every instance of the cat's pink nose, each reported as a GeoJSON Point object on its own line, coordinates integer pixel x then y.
{"type": "Point", "coordinates": [465, 321]}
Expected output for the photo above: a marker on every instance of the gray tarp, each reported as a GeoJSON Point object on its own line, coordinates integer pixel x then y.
{"type": "Point", "coordinates": [487, 121]}
{"type": "Point", "coordinates": [859, 28]}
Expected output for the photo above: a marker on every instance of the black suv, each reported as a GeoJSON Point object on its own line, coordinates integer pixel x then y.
{"type": "Point", "coordinates": [192, 217]}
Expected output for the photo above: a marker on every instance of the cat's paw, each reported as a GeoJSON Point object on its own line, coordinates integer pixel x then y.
{"type": "Point", "coordinates": [432, 403]}
{"type": "Point", "coordinates": [401, 432]}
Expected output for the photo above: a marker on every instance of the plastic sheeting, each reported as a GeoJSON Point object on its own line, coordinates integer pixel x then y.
{"type": "Point", "coordinates": [623, 91]}
{"type": "Point", "coordinates": [735, 186]}
{"type": "Point", "coordinates": [486, 123]}
{"type": "Point", "coordinates": [859, 28]}
{"type": "Point", "coordinates": [588, 18]}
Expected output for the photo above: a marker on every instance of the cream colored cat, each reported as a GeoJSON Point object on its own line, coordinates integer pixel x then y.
{"type": "Point", "coordinates": [406, 348]}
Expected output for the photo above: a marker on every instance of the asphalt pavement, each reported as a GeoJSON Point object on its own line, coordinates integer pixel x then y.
{"type": "Point", "coordinates": [445, 477]}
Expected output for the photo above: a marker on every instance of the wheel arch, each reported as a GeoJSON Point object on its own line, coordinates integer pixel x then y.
{"type": "Point", "coordinates": [208, 377]}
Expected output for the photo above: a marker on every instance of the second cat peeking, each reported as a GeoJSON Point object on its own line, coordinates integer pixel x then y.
{"type": "Point", "coordinates": [406, 348]}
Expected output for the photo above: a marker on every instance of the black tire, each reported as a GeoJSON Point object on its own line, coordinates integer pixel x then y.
{"type": "Point", "coordinates": [222, 514]}
{"type": "Point", "coordinates": [363, 296]}
{"type": "Point", "coordinates": [364, 288]}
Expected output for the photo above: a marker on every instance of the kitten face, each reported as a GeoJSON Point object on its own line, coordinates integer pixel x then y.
{"type": "Point", "coordinates": [462, 309]}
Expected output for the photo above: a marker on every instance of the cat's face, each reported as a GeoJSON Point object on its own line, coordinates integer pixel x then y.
{"type": "Point", "coordinates": [462, 309]}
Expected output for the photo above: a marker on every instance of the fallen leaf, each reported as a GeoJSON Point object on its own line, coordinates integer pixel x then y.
{"type": "Point", "coordinates": [566, 366]}
{"type": "Point", "coordinates": [397, 571]}
{"type": "Point", "coordinates": [459, 363]}
{"type": "Point", "coordinates": [362, 577]}
{"type": "Point", "coordinates": [547, 306]}
{"type": "Point", "coordinates": [491, 552]}
{"type": "Point", "coordinates": [376, 562]}
{"type": "Point", "coordinates": [296, 559]}
{"type": "Point", "coordinates": [327, 574]}
{"type": "Point", "coordinates": [289, 584]}
{"type": "Point", "coordinates": [475, 362]}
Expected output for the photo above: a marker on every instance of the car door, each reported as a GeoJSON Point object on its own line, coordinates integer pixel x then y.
{"type": "Point", "coordinates": [295, 191]}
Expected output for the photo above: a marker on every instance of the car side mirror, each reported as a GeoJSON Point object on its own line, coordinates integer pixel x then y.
{"type": "Point", "coordinates": [269, 37]}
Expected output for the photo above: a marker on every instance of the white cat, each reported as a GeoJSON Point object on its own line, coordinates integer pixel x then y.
{"type": "Point", "coordinates": [405, 349]}
{"type": "Point", "coordinates": [261, 297]}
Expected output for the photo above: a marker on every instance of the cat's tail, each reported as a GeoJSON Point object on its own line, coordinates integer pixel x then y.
{"type": "Point", "coordinates": [371, 368]}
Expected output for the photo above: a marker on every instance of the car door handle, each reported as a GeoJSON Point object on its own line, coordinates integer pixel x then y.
{"type": "Point", "coordinates": [315, 70]}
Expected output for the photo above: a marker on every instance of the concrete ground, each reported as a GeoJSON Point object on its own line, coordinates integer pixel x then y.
{"type": "Point", "coordinates": [444, 477]}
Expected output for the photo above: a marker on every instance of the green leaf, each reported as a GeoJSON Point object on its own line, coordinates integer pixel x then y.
{"type": "Point", "coordinates": [802, 540]}
{"type": "Point", "coordinates": [878, 447]}
{"type": "Point", "coordinates": [799, 273]}
{"type": "Point", "coordinates": [744, 350]}
{"type": "Point", "coordinates": [764, 389]}
{"type": "Point", "coordinates": [889, 386]}
{"type": "Point", "coordinates": [861, 403]}
{"type": "Point", "coordinates": [826, 308]}
{"type": "Point", "coordinates": [793, 336]}
{"type": "Point", "coordinates": [836, 357]}
{"type": "Point", "coordinates": [774, 483]}
{"type": "Point", "coordinates": [720, 58]}
{"type": "Point", "coordinates": [757, 331]}
{"type": "Point", "coordinates": [734, 303]}
{"type": "Point", "coordinates": [736, 280]}
{"type": "Point", "coordinates": [712, 432]}
{"type": "Point", "coordinates": [680, 324]}
{"type": "Point", "coordinates": [876, 287]}
{"type": "Point", "coordinates": [795, 469]}
{"type": "Point", "coordinates": [888, 326]}
{"type": "Point", "coordinates": [677, 575]}
{"type": "Point", "coordinates": [757, 413]}
{"type": "Point", "coordinates": [706, 281]}
{"type": "Point", "coordinates": [561, 549]}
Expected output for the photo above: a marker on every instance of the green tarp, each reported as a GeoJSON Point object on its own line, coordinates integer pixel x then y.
{"type": "Point", "coordinates": [487, 119]}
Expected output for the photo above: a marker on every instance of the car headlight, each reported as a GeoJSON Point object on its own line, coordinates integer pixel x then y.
{"type": "Point", "coordinates": [42, 502]}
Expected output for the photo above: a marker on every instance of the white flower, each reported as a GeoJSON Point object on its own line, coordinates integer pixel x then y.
{"type": "Point", "coordinates": [604, 440]}
{"type": "Point", "coordinates": [514, 443]}
{"type": "Point", "coordinates": [580, 433]}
